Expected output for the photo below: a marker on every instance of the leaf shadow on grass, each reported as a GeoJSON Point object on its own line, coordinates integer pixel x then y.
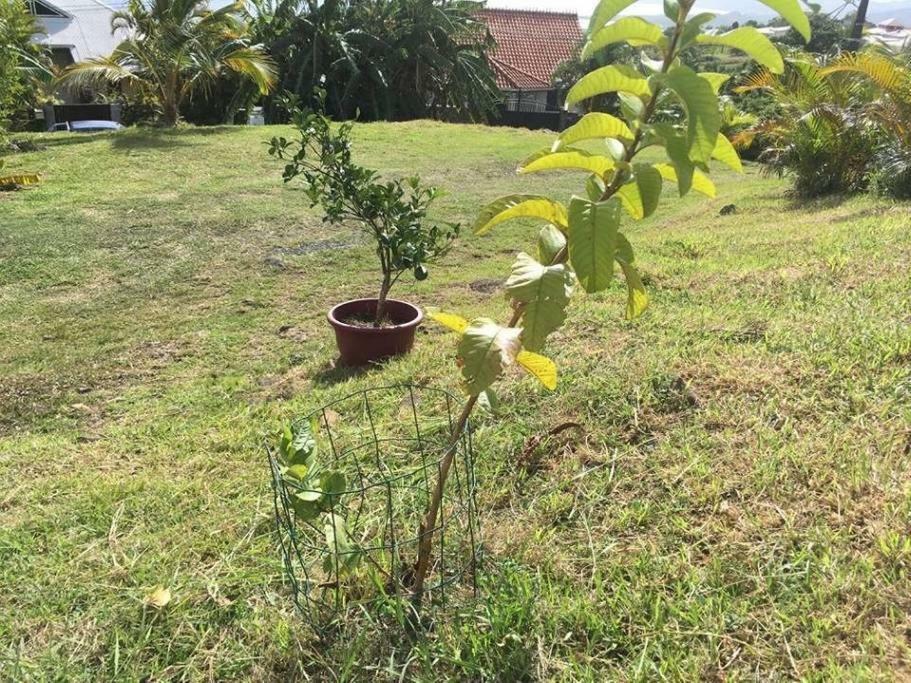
{"type": "Point", "coordinates": [816, 204]}
{"type": "Point", "coordinates": [334, 372]}
{"type": "Point", "coordinates": [150, 139]}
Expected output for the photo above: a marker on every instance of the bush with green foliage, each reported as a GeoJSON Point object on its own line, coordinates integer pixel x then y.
{"type": "Point", "coordinates": [19, 57]}
{"type": "Point", "coordinates": [392, 212]}
{"type": "Point", "coordinates": [839, 123]}
{"type": "Point", "coordinates": [382, 59]}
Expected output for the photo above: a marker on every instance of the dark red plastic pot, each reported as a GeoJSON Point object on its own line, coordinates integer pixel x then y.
{"type": "Point", "coordinates": [359, 345]}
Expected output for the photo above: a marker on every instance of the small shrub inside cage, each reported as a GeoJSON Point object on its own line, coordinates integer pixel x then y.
{"type": "Point", "coordinates": [352, 482]}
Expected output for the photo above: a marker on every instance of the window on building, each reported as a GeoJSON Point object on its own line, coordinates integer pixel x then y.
{"type": "Point", "coordinates": [62, 57]}
{"type": "Point", "coordinates": [39, 9]}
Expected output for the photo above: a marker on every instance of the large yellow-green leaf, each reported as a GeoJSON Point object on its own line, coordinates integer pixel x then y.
{"type": "Point", "coordinates": [520, 206]}
{"type": "Point", "coordinates": [678, 152]}
{"type": "Point", "coordinates": [545, 292]}
{"type": "Point", "coordinates": [592, 241]}
{"type": "Point", "coordinates": [726, 154]}
{"type": "Point", "coordinates": [701, 182]}
{"type": "Point", "coordinates": [632, 30]}
{"type": "Point", "coordinates": [715, 79]}
{"type": "Point", "coordinates": [568, 159]}
{"type": "Point", "coordinates": [637, 297]}
{"type": "Point", "coordinates": [485, 351]}
{"type": "Point", "coordinates": [543, 369]}
{"type": "Point", "coordinates": [749, 40]}
{"type": "Point", "coordinates": [791, 12]}
{"type": "Point", "coordinates": [608, 79]}
{"type": "Point", "coordinates": [595, 126]}
{"type": "Point", "coordinates": [456, 323]}
{"type": "Point", "coordinates": [640, 196]}
{"type": "Point", "coordinates": [703, 118]}
{"type": "Point", "coordinates": [605, 11]}
{"type": "Point", "coordinates": [550, 243]}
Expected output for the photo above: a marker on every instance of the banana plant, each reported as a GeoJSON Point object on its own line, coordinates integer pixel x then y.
{"type": "Point", "coordinates": [581, 243]}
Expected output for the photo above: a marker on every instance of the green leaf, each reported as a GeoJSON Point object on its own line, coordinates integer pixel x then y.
{"type": "Point", "coordinates": [485, 351]}
{"type": "Point", "coordinates": [702, 113]}
{"type": "Point", "coordinates": [677, 151]}
{"type": "Point", "coordinates": [616, 149]}
{"type": "Point", "coordinates": [640, 197]}
{"type": "Point", "coordinates": [595, 187]}
{"type": "Point", "coordinates": [633, 30]}
{"type": "Point", "coordinates": [595, 126]}
{"type": "Point", "coordinates": [550, 243]}
{"type": "Point", "coordinates": [749, 40]}
{"type": "Point", "coordinates": [624, 249]}
{"type": "Point", "coordinates": [342, 548]}
{"type": "Point", "coordinates": [700, 182]}
{"type": "Point", "coordinates": [333, 484]}
{"type": "Point", "coordinates": [726, 154]}
{"type": "Point", "coordinates": [692, 29]}
{"type": "Point", "coordinates": [520, 206]}
{"type": "Point", "coordinates": [608, 79]}
{"type": "Point", "coordinates": [545, 291]}
{"type": "Point", "coordinates": [605, 11]}
{"type": "Point", "coordinates": [631, 107]}
{"type": "Point", "coordinates": [592, 241]}
{"type": "Point", "coordinates": [568, 158]}
{"type": "Point", "coordinates": [304, 509]}
{"type": "Point", "coordinates": [672, 10]}
{"type": "Point", "coordinates": [716, 80]}
{"type": "Point", "coordinates": [487, 400]}
{"type": "Point", "coordinates": [310, 495]}
{"type": "Point", "coordinates": [298, 472]}
{"type": "Point", "coordinates": [637, 296]}
{"type": "Point", "coordinates": [791, 12]}
{"type": "Point", "coordinates": [297, 444]}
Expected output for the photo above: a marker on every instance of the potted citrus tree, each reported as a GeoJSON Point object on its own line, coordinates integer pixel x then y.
{"type": "Point", "coordinates": [392, 213]}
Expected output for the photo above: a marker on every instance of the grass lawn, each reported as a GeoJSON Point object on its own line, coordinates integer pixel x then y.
{"type": "Point", "coordinates": [738, 506]}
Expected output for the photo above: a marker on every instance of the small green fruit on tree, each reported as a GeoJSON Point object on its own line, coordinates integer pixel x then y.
{"type": "Point", "coordinates": [581, 243]}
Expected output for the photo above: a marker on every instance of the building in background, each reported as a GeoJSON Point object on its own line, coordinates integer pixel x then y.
{"type": "Point", "coordinates": [889, 32]}
{"type": "Point", "coordinates": [530, 45]}
{"type": "Point", "coordinates": [74, 30]}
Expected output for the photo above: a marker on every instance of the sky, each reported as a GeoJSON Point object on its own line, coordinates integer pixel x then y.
{"type": "Point", "coordinates": [650, 8]}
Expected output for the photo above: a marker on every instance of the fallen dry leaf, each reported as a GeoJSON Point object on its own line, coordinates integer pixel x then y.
{"type": "Point", "coordinates": [158, 598]}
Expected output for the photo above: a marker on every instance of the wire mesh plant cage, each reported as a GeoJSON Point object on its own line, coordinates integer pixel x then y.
{"type": "Point", "coordinates": [349, 519]}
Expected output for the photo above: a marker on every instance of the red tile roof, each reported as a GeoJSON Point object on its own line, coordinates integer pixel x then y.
{"type": "Point", "coordinates": [530, 45]}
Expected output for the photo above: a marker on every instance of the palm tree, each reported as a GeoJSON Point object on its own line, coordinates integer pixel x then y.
{"type": "Point", "coordinates": [174, 49]}
{"type": "Point", "coordinates": [381, 59]}
{"type": "Point", "coordinates": [838, 120]}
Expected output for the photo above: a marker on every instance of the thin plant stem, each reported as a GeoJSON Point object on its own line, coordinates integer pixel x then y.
{"type": "Point", "coordinates": [428, 523]}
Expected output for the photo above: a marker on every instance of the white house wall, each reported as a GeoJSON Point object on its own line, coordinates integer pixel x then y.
{"type": "Point", "coordinates": [86, 31]}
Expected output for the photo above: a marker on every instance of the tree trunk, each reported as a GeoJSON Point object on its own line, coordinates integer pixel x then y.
{"type": "Point", "coordinates": [428, 524]}
{"type": "Point", "coordinates": [860, 19]}
{"type": "Point", "coordinates": [381, 301]}
{"type": "Point", "coordinates": [170, 114]}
